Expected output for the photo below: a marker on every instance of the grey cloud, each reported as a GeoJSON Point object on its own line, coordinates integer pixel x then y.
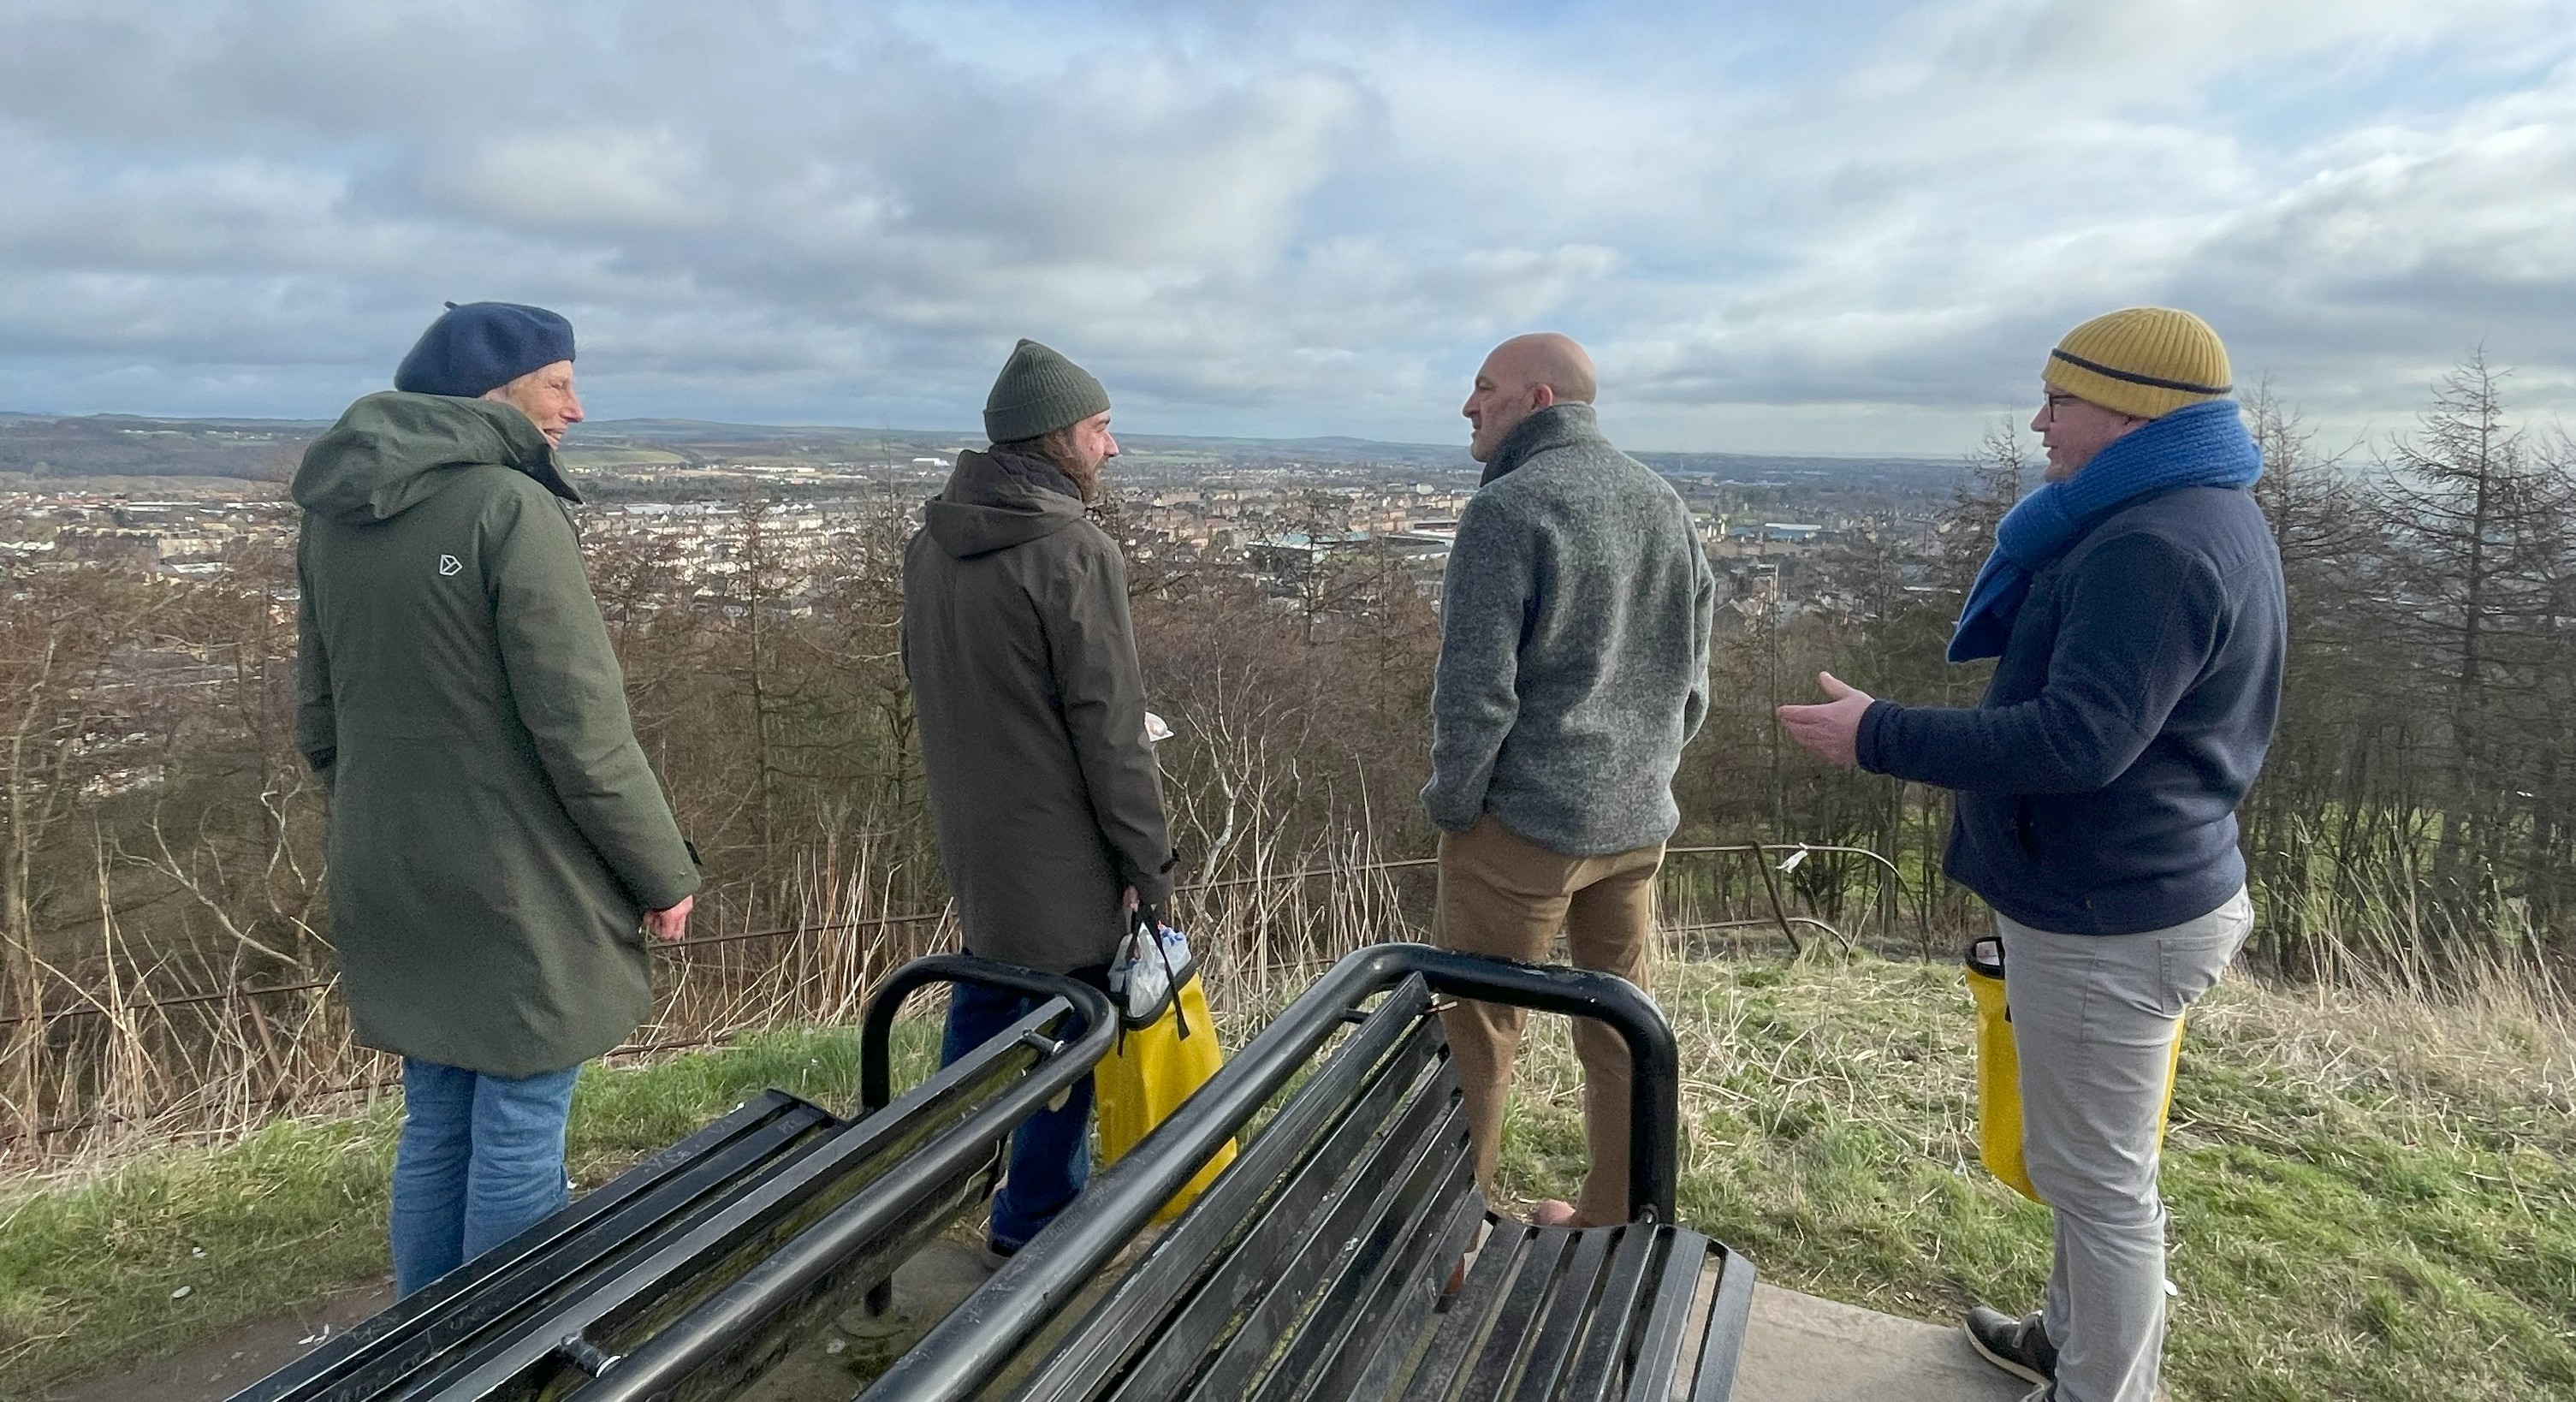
{"type": "Point", "coordinates": [1276, 219]}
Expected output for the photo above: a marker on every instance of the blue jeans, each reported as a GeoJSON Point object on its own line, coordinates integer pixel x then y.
{"type": "Point", "coordinates": [481, 1160]}
{"type": "Point", "coordinates": [1051, 1150]}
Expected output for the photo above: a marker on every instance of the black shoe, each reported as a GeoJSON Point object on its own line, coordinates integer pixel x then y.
{"type": "Point", "coordinates": [2018, 1346]}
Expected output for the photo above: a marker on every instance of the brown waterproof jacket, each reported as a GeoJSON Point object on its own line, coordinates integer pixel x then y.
{"type": "Point", "coordinates": [1023, 666]}
{"type": "Point", "coordinates": [496, 834]}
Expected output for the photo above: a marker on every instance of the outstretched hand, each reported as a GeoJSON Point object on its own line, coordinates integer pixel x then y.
{"type": "Point", "coordinates": [1830, 731]}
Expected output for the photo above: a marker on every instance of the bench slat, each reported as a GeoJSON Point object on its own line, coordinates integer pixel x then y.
{"type": "Point", "coordinates": [522, 1272]}
{"type": "Point", "coordinates": [1470, 1314]}
{"type": "Point", "coordinates": [1247, 1214]}
{"type": "Point", "coordinates": [1363, 1191]}
{"type": "Point", "coordinates": [1349, 1318]}
{"type": "Point", "coordinates": [1493, 1365]}
{"type": "Point", "coordinates": [1724, 1343]}
{"type": "Point", "coordinates": [1600, 1360]}
{"type": "Point", "coordinates": [1403, 1343]}
{"type": "Point", "coordinates": [1568, 1298]}
{"type": "Point", "coordinates": [1665, 1334]}
{"type": "Point", "coordinates": [724, 1232]}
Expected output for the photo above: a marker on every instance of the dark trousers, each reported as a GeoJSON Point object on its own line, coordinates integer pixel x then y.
{"type": "Point", "coordinates": [1050, 1157]}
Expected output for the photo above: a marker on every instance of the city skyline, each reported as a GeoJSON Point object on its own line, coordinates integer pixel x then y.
{"type": "Point", "coordinates": [1849, 230]}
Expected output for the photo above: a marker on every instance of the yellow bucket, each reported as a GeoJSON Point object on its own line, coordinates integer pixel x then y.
{"type": "Point", "coordinates": [1999, 1071]}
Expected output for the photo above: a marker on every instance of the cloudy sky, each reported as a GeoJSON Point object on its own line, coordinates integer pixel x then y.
{"type": "Point", "coordinates": [1837, 227]}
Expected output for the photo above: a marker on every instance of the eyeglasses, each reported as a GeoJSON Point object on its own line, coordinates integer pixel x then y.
{"type": "Point", "coordinates": [2056, 401]}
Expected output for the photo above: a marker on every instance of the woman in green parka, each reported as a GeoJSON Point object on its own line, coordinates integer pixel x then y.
{"type": "Point", "coordinates": [499, 848]}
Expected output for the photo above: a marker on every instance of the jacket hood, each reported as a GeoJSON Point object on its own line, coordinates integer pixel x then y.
{"type": "Point", "coordinates": [994, 501]}
{"type": "Point", "coordinates": [393, 451]}
{"type": "Point", "coordinates": [1552, 427]}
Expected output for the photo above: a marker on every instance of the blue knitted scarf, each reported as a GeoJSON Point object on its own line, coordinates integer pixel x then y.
{"type": "Point", "coordinates": [2200, 445]}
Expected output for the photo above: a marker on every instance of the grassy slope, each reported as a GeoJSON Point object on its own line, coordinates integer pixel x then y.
{"type": "Point", "coordinates": [2371, 1200]}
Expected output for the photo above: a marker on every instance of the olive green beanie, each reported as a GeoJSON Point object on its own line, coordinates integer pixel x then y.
{"type": "Point", "coordinates": [1039, 392]}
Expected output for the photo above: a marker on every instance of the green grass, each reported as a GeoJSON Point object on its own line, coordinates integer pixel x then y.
{"type": "Point", "coordinates": [90, 1272]}
{"type": "Point", "coordinates": [2372, 1198]}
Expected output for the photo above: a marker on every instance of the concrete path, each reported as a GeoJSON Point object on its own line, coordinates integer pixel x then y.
{"type": "Point", "coordinates": [1799, 1348]}
{"type": "Point", "coordinates": [233, 1360]}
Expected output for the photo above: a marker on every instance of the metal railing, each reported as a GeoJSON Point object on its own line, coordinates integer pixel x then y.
{"type": "Point", "coordinates": [1793, 854]}
{"type": "Point", "coordinates": [222, 1060]}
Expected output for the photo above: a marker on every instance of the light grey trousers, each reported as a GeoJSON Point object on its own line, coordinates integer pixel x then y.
{"type": "Point", "coordinates": [2094, 1019]}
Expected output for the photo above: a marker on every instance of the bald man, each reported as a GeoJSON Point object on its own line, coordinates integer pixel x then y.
{"type": "Point", "coordinates": [1573, 667]}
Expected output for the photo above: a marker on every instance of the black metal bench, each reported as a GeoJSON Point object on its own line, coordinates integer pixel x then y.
{"type": "Point", "coordinates": [692, 1271]}
{"type": "Point", "coordinates": [1321, 1263]}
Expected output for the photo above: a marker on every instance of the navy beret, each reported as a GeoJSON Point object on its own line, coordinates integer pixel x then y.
{"type": "Point", "coordinates": [482, 346]}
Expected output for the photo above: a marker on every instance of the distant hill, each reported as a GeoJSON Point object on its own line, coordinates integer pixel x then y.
{"type": "Point", "coordinates": [1762, 468]}
{"type": "Point", "coordinates": [127, 445]}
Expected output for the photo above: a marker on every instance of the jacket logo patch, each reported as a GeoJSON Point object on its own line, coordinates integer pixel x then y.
{"type": "Point", "coordinates": [449, 564]}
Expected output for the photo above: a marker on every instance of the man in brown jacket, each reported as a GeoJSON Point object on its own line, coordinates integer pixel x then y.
{"type": "Point", "coordinates": [1023, 667]}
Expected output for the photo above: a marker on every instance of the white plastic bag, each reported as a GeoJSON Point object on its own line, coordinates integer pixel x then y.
{"type": "Point", "coordinates": [1149, 965]}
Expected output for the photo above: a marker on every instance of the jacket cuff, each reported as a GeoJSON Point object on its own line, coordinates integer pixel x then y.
{"type": "Point", "coordinates": [1446, 811]}
{"type": "Point", "coordinates": [1874, 740]}
{"type": "Point", "coordinates": [1154, 887]}
{"type": "Point", "coordinates": [674, 887]}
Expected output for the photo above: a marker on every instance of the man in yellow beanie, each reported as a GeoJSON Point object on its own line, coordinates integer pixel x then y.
{"type": "Point", "coordinates": [2135, 602]}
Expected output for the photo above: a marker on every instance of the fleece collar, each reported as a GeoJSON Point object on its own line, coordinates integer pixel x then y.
{"type": "Point", "coordinates": [1556, 426]}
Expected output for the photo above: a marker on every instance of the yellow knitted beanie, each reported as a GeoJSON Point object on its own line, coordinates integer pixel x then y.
{"type": "Point", "coordinates": [2144, 361]}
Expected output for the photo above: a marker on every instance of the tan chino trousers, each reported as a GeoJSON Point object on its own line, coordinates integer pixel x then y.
{"type": "Point", "coordinates": [1501, 894]}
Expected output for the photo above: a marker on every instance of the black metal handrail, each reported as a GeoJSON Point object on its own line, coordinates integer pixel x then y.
{"type": "Point", "coordinates": [972, 1344]}
{"type": "Point", "coordinates": [876, 1021]}
{"type": "Point", "coordinates": [721, 1321]}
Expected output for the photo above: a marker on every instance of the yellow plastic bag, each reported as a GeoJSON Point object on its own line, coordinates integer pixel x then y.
{"type": "Point", "coordinates": [1999, 1072]}
{"type": "Point", "coordinates": [1155, 1065]}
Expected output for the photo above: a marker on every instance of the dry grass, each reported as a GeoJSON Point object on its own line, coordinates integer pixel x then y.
{"type": "Point", "coordinates": [2373, 1196]}
{"type": "Point", "coordinates": [116, 1072]}
{"type": "Point", "coordinates": [2373, 1182]}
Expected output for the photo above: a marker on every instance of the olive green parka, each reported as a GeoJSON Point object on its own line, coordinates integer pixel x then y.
{"type": "Point", "coordinates": [496, 834]}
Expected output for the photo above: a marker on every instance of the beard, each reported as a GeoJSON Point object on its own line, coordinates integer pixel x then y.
{"type": "Point", "coordinates": [1084, 472]}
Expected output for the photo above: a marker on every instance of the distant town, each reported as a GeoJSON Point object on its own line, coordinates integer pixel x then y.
{"type": "Point", "coordinates": [183, 498]}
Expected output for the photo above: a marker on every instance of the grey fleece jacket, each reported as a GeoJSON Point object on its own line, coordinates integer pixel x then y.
{"type": "Point", "coordinates": [1573, 645]}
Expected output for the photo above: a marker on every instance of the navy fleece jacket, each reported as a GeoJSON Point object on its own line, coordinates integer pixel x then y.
{"type": "Point", "coordinates": [2098, 781]}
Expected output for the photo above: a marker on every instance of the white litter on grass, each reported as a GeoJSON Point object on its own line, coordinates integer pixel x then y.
{"type": "Point", "coordinates": [315, 1338]}
{"type": "Point", "coordinates": [182, 1292]}
{"type": "Point", "coordinates": [836, 1346]}
{"type": "Point", "coordinates": [2172, 1291]}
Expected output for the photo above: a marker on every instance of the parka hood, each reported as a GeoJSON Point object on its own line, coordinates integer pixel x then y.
{"type": "Point", "coordinates": [994, 501]}
{"type": "Point", "coordinates": [394, 450]}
